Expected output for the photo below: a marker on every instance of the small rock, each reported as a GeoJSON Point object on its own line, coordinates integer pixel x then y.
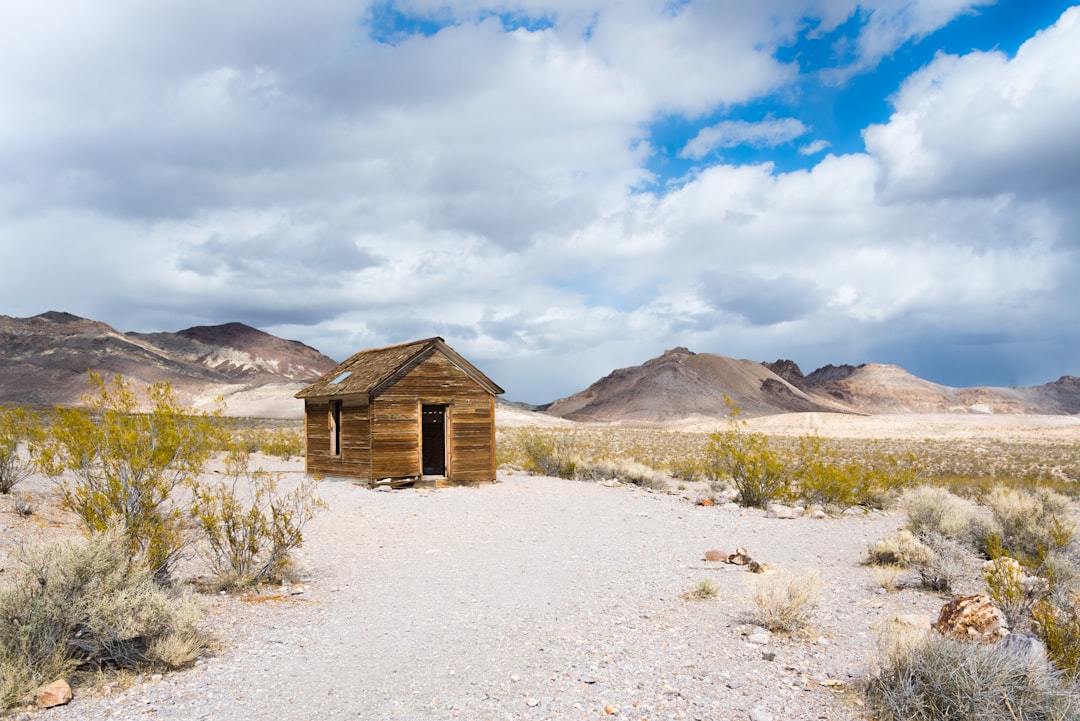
{"type": "Point", "coordinates": [758, 713]}
{"type": "Point", "coordinates": [706, 501]}
{"type": "Point", "coordinates": [972, 618]}
{"type": "Point", "coordinates": [715, 556]}
{"type": "Point", "coordinates": [1024, 646]}
{"type": "Point", "coordinates": [759, 637]}
{"type": "Point", "coordinates": [532, 703]}
{"type": "Point", "coordinates": [384, 487]}
{"type": "Point", "coordinates": [56, 693]}
{"type": "Point", "coordinates": [777, 510]}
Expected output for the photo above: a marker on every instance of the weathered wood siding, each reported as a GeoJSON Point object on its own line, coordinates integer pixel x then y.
{"type": "Point", "coordinates": [395, 419]}
{"type": "Point", "coordinates": [472, 439]}
{"type": "Point", "coordinates": [354, 460]}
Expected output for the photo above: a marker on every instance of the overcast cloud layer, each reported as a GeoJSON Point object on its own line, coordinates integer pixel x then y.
{"type": "Point", "coordinates": [357, 175]}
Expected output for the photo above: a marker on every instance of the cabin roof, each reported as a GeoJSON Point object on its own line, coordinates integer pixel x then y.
{"type": "Point", "coordinates": [370, 371]}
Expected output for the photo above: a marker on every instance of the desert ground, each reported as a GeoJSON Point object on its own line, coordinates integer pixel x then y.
{"type": "Point", "coordinates": [537, 598]}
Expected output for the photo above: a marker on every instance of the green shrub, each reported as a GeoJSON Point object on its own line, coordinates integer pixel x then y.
{"type": "Point", "coordinates": [84, 606]}
{"type": "Point", "coordinates": [550, 453]}
{"type": "Point", "coordinates": [946, 680]}
{"type": "Point", "coordinates": [116, 465]}
{"type": "Point", "coordinates": [20, 430]}
{"type": "Point", "coordinates": [760, 471]}
{"type": "Point", "coordinates": [1059, 628]}
{"type": "Point", "coordinates": [785, 600]}
{"type": "Point", "coordinates": [249, 527]}
{"type": "Point", "coordinates": [1012, 590]}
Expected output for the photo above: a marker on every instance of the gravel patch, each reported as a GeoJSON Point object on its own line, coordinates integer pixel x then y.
{"type": "Point", "coordinates": [532, 598]}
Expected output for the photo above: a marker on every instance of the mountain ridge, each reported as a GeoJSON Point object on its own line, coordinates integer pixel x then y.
{"type": "Point", "coordinates": [681, 384]}
{"type": "Point", "coordinates": [45, 361]}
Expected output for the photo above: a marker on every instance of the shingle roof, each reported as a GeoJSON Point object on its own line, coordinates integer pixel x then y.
{"type": "Point", "coordinates": [366, 371]}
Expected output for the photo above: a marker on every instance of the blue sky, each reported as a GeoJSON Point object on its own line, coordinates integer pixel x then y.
{"type": "Point", "coordinates": [557, 188]}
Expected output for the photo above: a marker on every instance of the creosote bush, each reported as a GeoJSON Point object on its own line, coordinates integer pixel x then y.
{"type": "Point", "coordinates": [251, 528]}
{"type": "Point", "coordinates": [83, 606]}
{"type": "Point", "coordinates": [20, 431]}
{"type": "Point", "coordinates": [940, 679]}
{"type": "Point", "coordinates": [115, 465]}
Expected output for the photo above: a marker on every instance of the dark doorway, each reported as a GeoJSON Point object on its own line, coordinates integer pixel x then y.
{"type": "Point", "coordinates": [433, 440]}
{"type": "Point", "coordinates": [335, 428]}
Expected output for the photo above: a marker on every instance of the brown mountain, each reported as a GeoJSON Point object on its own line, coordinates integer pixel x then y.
{"type": "Point", "coordinates": [44, 361]}
{"type": "Point", "coordinates": [880, 388]}
{"type": "Point", "coordinates": [681, 385]}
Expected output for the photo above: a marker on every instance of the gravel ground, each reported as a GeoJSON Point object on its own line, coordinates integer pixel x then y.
{"type": "Point", "coordinates": [532, 598]}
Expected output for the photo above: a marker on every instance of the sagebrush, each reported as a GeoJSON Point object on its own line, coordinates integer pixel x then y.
{"type": "Point", "coordinates": [81, 606]}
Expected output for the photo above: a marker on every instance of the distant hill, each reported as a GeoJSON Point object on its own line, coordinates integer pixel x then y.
{"type": "Point", "coordinates": [681, 384]}
{"type": "Point", "coordinates": [44, 361]}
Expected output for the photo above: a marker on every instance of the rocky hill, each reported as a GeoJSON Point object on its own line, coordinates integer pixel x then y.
{"type": "Point", "coordinates": [681, 385]}
{"type": "Point", "coordinates": [44, 361]}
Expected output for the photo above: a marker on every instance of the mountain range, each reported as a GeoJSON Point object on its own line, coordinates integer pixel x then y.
{"type": "Point", "coordinates": [44, 361]}
{"type": "Point", "coordinates": [681, 384]}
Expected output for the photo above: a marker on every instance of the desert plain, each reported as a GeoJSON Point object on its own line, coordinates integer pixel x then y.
{"type": "Point", "coordinates": [543, 598]}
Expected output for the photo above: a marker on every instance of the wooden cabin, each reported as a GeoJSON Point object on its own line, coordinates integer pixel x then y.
{"type": "Point", "coordinates": [401, 414]}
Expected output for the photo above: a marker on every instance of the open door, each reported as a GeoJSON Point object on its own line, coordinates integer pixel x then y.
{"type": "Point", "coordinates": [433, 440]}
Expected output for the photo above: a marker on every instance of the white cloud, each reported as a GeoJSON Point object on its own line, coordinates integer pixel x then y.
{"type": "Point", "coordinates": [982, 123]}
{"type": "Point", "coordinates": [732, 133]}
{"type": "Point", "coordinates": [288, 171]}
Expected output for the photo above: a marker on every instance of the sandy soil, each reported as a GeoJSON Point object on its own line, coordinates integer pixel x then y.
{"type": "Point", "coordinates": [531, 598]}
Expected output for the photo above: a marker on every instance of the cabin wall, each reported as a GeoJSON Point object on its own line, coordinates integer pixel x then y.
{"type": "Point", "coordinates": [395, 417]}
{"type": "Point", "coordinates": [354, 461]}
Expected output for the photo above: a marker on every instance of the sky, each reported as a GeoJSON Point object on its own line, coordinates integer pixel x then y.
{"type": "Point", "coordinates": [557, 188]}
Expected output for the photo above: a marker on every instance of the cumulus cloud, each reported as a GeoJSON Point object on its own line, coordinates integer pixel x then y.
{"type": "Point", "coordinates": [982, 123]}
{"type": "Point", "coordinates": [491, 180]}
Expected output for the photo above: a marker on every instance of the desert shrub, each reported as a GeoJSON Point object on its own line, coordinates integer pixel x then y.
{"type": "Point", "coordinates": [115, 465]}
{"type": "Point", "coordinates": [631, 472]}
{"type": "Point", "coordinates": [251, 528]}
{"type": "Point", "coordinates": [84, 606]}
{"type": "Point", "coordinates": [902, 548]}
{"type": "Point", "coordinates": [760, 470]}
{"type": "Point", "coordinates": [889, 577]}
{"type": "Point", "coordinates": [1058, 625]}
{"type": "Point", "coordinates": [1030, 523]}
{"type": "Point", "coordinates": [784, 600]}
{"type": "Point", "coordinates": [1012, 590]}
{"type": "Point", "coordinates": [949, 561]}
{"type": "Point", "coordinates": [278, 442]}
{"type": "Point", "coordinates": [20, 429]}
{"type": "Point", "coordinates": [941, 679]}
{"type": "Point", "coordinates": [703, 590]}
{"type": "Point", "coordinates": [550, 453]}
{"type": "Point", "coordinates": [689, 469]}
{"type": "Point", "coordinates": [936, 510]}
